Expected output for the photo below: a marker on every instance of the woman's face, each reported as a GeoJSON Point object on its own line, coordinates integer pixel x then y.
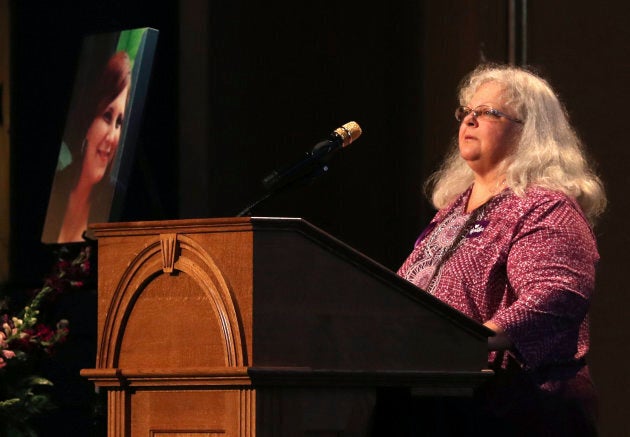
{"type": "Point", "coordinates": [102, 139]}
{"type": "Point", "coordinates": [485, 142]}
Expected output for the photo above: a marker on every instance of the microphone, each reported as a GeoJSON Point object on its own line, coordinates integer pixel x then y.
{"type": "Point", "coordinates": [315, 161]}
{"type": "Point", "coordinates": [313, 165]}
{"type": "Point", "coordinates": [341, 137]}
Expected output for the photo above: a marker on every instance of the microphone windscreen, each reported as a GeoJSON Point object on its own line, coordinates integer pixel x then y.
{"type": "Point", "coordinates": [349, 132]}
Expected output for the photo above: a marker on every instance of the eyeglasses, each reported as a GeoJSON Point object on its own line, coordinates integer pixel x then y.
{"type": "Point", "coordinates": [484, 112]}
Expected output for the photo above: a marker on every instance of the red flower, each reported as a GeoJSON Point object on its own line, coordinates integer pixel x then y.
{"type": "Point", "coordinates": [43, 332]}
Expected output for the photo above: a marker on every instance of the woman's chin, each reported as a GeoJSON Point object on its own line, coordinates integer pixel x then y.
{"type": "Point", "coordinates": [98, 175]}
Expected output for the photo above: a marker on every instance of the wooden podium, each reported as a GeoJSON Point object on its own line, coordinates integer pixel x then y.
{"type": "Point", "coordinates": [263, 327]}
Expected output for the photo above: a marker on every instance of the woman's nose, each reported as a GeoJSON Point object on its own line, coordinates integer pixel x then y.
{"type": "Point", "coordinates": [112, 135]}
{"type": "Point", "coordinates": [471, 119]}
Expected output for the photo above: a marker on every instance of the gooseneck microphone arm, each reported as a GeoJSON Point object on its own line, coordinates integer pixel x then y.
{"type": "Point", "coordinates": [311, 166]}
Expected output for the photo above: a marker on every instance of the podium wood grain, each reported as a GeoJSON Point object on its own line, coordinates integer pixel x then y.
{"type": "Point", "coordinates": [263, 327]}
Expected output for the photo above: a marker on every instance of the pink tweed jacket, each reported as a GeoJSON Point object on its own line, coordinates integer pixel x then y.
{"type": "Point", "coordinates": [526, 263]}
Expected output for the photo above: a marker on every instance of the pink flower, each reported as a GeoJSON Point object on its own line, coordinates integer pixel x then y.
{"type": "Point", "coordinates": [5, 354]}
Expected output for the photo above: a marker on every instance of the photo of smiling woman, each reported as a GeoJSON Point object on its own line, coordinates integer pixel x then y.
{"type": "Point", "coordinates": [97, 147]}
{"type": "Point", "coordinates": [77, 184]}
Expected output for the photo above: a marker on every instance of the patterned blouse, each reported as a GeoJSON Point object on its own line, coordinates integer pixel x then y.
{"type": "Point", "coordinates": [526, 263]}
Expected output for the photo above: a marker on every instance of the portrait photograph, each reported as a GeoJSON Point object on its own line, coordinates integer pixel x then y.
{"type": "Point", "coordinates": [100, 133]}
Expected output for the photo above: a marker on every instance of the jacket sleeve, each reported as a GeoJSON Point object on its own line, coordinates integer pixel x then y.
{"type": "Point", "coordinates": [551, 269]}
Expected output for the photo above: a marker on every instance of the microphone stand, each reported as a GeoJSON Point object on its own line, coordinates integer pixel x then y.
{"type": "Point", "coordinates": [315, 165]}
{"type": "Point", "coordinates": [247, 211]}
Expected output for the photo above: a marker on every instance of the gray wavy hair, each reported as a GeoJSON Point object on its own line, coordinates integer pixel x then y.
{"type": "Point", "coordinates": [549, 152]}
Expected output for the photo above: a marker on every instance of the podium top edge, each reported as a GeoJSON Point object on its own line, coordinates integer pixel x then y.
{"type": "Point", "coordinates": [152, 226]}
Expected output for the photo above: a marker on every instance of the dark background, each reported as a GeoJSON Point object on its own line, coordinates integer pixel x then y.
{"type": "Point", "coordinates": [242, 87]}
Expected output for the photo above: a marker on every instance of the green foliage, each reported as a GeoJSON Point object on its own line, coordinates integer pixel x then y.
{"type": "Point", "coordinates": [25, 340]}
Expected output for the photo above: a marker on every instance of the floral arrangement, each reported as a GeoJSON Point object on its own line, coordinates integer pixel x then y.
{"type": "Point", "coordinates": [26, 337]}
